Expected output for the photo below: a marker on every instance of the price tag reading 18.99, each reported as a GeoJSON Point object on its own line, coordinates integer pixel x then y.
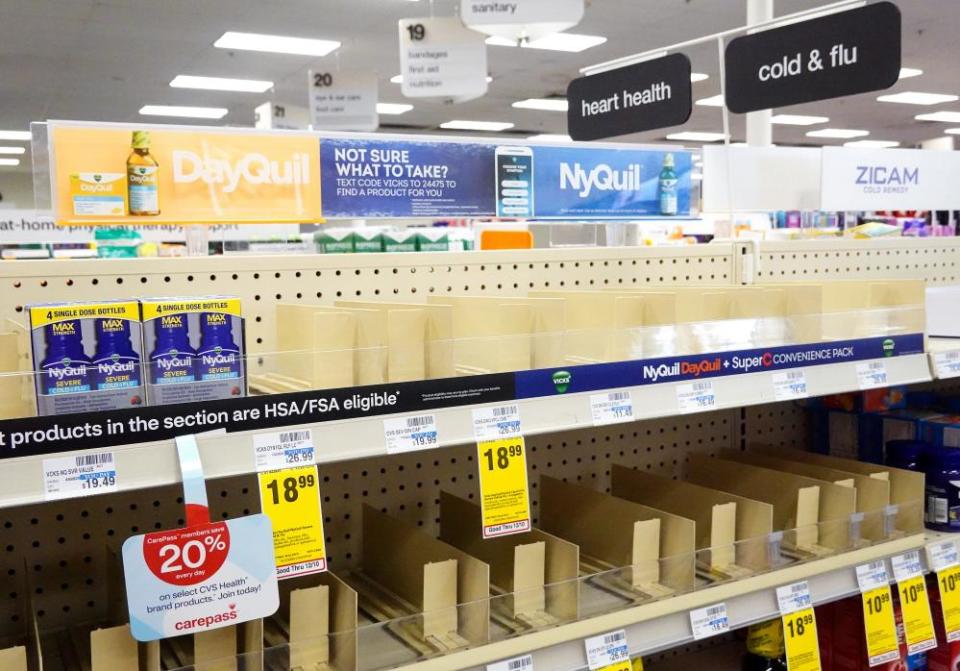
{"type": "Point", "coordinates": [504, 494]}
{"type": "Point", "coordinates": [291, 499]}
{"type": "Point", "coordinates": [799, 627]}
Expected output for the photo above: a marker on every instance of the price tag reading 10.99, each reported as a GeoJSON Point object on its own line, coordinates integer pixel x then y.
{"type": "Point", "coordinates": [504, 495]}
{"type": "Point", "coordinates": [949, 581]}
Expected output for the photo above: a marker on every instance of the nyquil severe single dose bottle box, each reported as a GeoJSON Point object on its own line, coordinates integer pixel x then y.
{"type": "Point", "coordinates": [193, 349]}
{"type": "Point", "coordinates": [86, 356]}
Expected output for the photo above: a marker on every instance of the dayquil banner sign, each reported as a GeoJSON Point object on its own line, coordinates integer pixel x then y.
{"type": "Point", "coordinates": [162, 175]}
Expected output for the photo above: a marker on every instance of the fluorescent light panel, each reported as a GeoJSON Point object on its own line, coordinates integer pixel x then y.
{"type": "Point", "coordinates": [797, 119]}
{"type": "Point", "coordinates": [696, 136]}
{"type": "Point", "coordinates": [276, 44]}
{"type": "Point", "coordinates": [398, 79]}
{"type": "Point", "coordinates": [952, 131]}
{"type": "Point", "coordinates": [712, 101]}
{"type": "Point", "coordinates": [12, 150]}
{"type": "Point", "coordinates": [463, 124]}
{"type": "Point", "coordinates": [569, 42]}
{"type": "Point", "coordinates": [393, 108]}
{"type": "Point", "coordinates": [945, 117]}
{"type": "Point", "coordinates": [838, 133]}
{"type": "Point", "coordinates": [184, 111]}
{"type": "Point", "coordinates": [872, 144]}
{"type": "Point", "coordinates": [907, 73]}
{"type": "Point", "coordinates": [546, 104]}
{"type": "Point", "coordinates": [220, 84]}
{"type": "Point", "coordinates": [9, 161]}
{"type": "Point", "coordinates": [15, 135]}
{"type": "Point", "coordinates": [918, 98]}
{"type": "Point", "coordinates": [551, 137]}
{"type": "Point", "coordinates": [698, 77]}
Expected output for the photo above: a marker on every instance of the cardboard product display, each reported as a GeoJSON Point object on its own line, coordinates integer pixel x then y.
{"type": "Point", "coordinates": [313, 347]}
{"type": "Point", "coordinates": [907, 490]}
{"type": "Point", "coordinates": [600, 325]}
{"type": "Point", "coordinates": [16, 391]}
{"type": "Point", "coordinates": [536, 570]}
{"type": "Point", "coordinates": [814, 513]}
{"type": "Point", "coordinates": [316, 624]}
{"type": "Point", "coordinates": [734, 529]}
{"type": "Point", "coordinates": [656, 547]}
{"type": "Point", "coordinates": [872, 495]}
{"type": "Point", "coordinates": [405, 572]}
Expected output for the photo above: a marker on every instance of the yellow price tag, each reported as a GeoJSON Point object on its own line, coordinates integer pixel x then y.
{"type": "Point", "coordinates": [915, 609]}
{"type": "Point", "coordinates": [620, 666]}
{"type": "Point", "coordinates": [291, 499]}
{"type": "Point", "coordinates": [638, 664]}
{"type": "Point", "coordinates": [800, 641]}
{"type": "Point", "coordinates": [879, 626]}
{"type": "Point", "coordinates": [949, 580]}
{"type": "Point", "coordinates": [504, 493]}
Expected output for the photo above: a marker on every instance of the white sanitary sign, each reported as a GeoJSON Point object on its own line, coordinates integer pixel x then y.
{"type": "Point", "coordinates": [441, 58]}
{"type": "Point", "coordinates": [343, 100]}
{"type": "Point", "coordinates": [521, 19]}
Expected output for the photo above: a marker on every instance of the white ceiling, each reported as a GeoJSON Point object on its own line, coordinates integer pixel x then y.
{"type": "Point", "coordinates": [103, 59]}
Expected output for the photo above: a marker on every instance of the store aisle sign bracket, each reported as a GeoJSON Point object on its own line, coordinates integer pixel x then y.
{"type": "Point", "coordinates": [635, 98]}
{"type": "Point", "coordinates": [837, 55]}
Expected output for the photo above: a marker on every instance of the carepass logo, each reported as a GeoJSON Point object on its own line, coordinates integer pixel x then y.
{"type": "Point", "coordinates": [886, 178]}
{"type": "Point", "coordinates": [561, 381]}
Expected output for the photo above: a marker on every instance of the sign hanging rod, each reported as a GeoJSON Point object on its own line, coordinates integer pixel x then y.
{"type": "Point", "coordinates": [787, 19]}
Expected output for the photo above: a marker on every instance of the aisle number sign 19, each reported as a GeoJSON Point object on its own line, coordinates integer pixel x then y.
{"type": "Point", "coordinates": [291, 499]}
{"type": "Point", "coordinates": [799, 627]}
{"type": "Point", "coordinates": [945, 561]}
{"type": "Point", "coordinates": [504, 492]}
{"type": "Point", "coordinates": [879, 625]}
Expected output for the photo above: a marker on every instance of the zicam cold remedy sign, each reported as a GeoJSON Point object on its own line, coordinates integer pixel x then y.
{"type": "Point", "coordinates": [837, 55]}
{"type": "Point", "coordinates": [610, 183]}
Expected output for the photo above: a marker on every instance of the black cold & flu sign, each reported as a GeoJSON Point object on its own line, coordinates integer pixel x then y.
{"type": "Point", "coordinates": [643, 96]}
{"type": "Point", "coordinates": [829, 57]}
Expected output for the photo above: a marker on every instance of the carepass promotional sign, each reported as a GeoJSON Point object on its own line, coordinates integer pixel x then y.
{"type": "Point", "coordinates": [104, 175]}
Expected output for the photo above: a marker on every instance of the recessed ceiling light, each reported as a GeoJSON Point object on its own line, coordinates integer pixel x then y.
{"type": "Point", "coordinates": [393, 108]}
{"type": "Point", "coordinates": [712, 101]}
{"type": "Point", "coordinates": [696, 136]}
{"type": "Point", "coordinates": [461, 124]}
{"type": "Point", "coordinates": [184, 111]}
{"type": "Point", "coordinates": [952, 131]}
{"type": "Point", "coordinates": [569, 42]}
{"type": "Point", "coordinates": [907, 73]}
{"type": "Point", "coordinates": [551, 137]}
{"type": "Point", "coordinates": [9, 161]}
{"type": "Point", "coordinates": [15, 135]}
{"type": "Point", "coordinates": [276, 44]}
{"type": "Point", "coordinates": [220, 84]}
{"type": "Point", "coordinates": [838, 133]}
{"type": "Point", "coordinates": [917, 98]}
{"type": "Point", "coordinates": [946, 117]}
{"type": "Point", "coordinates": [797, 119]}
{"type": "Point", "coordinates": [872, 144]}
{"type": "Point", "coordinates": [698, 77]}
{"type": "Point", "coordinates": [547, 104]}
{"type": "Point", "coordinates": [12, 150]}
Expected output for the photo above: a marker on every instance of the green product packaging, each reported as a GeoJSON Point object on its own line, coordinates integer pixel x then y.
{"type": "Point", "coordinates": [334, 241]}
{"type": "Point", "coordinates": [433, 240]}
{"type": "Point", "coordinates": [404, 240]}
{"type": "Point", "coordinates": [367, 240]}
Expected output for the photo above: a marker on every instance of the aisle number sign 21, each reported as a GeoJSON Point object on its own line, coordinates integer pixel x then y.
{"type": "Point", "coordinates": [504, 492]}
{"type": "Point", "coordinates": [291, 499]}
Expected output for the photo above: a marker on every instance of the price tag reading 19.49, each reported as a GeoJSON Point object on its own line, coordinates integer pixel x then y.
{"type": "Point", "coordinates": [504, 493]}
{"type": "Point", "coordinates": [799, 627]}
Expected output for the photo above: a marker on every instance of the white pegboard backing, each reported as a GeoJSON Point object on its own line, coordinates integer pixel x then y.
{"type": "Point", "coordinates": [936, 260]}
{"type": "Point", "coordinates": [63, 544]}
{"type": "Point", "coordinates": [782, 425]}
{"type": "Point", "coordinates": [263, 281]}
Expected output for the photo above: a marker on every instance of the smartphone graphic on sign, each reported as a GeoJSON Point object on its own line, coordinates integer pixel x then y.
{"type": "Point", "coordinates": [514, 181]}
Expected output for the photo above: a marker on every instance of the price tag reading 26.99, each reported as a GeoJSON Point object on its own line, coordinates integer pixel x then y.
{"type": "Point", "coordinates": [504, 493]}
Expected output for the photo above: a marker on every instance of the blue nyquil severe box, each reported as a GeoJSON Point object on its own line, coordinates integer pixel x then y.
{"type": "Point", "coordinates": [86, 356]}
{"type": "Point", "coordinates": [193, 349]}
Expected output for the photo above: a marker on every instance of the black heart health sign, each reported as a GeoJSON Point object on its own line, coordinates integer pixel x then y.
{"type": "Point", "coordinates": [638, 97]}
{"type": "Point", "coordinates": [833, 56]}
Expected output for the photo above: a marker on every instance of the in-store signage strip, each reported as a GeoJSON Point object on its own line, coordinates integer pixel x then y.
{"type": "Point", "coordinates": [51, 434]}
